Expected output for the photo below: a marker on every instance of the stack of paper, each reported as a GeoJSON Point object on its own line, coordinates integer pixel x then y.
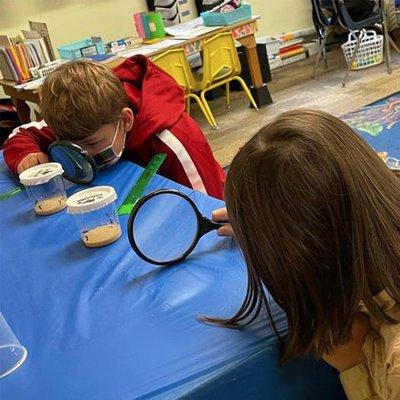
{"type": "Point", "coordinates": [190, 29]}
{"type": "Point", "coordinates": [151, 48]}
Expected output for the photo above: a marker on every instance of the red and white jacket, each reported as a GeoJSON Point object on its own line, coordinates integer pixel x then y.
{"type": "Point", "coordinates": [161, 126]}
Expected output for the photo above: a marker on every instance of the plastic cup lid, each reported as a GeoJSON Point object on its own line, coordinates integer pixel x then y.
{"type": "Point", "coordinates": [40, 174]}
{"type": "Point", "coordinates": [91, 199]}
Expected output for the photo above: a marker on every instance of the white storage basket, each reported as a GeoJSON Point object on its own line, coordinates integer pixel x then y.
{"type": "Point", "coordinates": [370, 51]}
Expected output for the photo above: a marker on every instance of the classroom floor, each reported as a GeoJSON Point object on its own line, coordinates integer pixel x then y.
{"type": "Point", "coordinates": [291, 87]}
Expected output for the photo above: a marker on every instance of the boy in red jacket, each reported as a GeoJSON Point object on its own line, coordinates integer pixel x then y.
{"type": "Point", "coordinates": [137, 111]}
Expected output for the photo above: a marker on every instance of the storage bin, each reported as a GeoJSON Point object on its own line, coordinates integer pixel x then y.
{"type": "Point", "coordinates": [229, 18]}
{"type": "Point", "coordinates": [73, 50]}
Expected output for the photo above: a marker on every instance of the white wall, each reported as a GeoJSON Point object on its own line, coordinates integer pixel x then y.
{"type": "Point", "coordinates": [278, 16]}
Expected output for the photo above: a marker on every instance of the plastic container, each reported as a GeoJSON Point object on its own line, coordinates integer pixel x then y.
{"type": "Point", "coordinates": [74, 50]}
{"type": "Point", "coordinates": [47, 69]}
{"type": "Point", "coordinates": [45, 187]}
{"type": "Point", "coordinates": [96, 215]}
{"type": "Point", "coordinates": [228, 18]}
{"type": "Point", "coordinates": [12, 354]}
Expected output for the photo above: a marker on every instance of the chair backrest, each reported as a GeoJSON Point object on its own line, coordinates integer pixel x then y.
{"type": "Point", "coordinates": [175, 64]}
{"type": "Point", "coordinates": [348, 22]}
{"type": "Point", "coordinates": [220, 58]}
{"type": "Point", "coordinates": [324, 13]}
{"type": "Point", "coordinates": [343, 14]}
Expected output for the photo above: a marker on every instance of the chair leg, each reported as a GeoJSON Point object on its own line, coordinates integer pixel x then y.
{"type": "Point", "coordinates": [325, 57]}
{"type": "Point", "coordinates": [228, 95]}
{"type": "Point", "coordinates": [247, 91]}
{"type": "Point", "coordinates": [207, 107]}
{"type": "Point", "coordinates": [203, 109]}
{"type": "Point", "coordinates": [388, 56]}
{"type": "Point", "coordinates": [352, 60]}
{"type": "Point", "coordinates": [321, 51]}
{"type": "Point", "coordinates": [393, 44]}
{"type": "Point", "coordinates": [187, 104]}
{"type": "Point", "coordinates": [317, 60]}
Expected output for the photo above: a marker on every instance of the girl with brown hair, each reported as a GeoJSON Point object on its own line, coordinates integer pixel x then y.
{"type": "Point", "coordinates": [317, 215]}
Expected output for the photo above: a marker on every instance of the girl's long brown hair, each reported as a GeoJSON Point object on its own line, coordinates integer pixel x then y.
{"type": "Point", "coordinates": [317, 215]}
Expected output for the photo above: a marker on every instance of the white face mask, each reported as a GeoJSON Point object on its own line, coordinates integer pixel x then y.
{"type": "Point", "coordinates": [108, 157]}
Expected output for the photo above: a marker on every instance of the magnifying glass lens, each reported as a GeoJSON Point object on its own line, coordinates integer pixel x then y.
{"type": "Point", "coordinates": [77, 167]}
{"type": "Point", "coordinates": [164, 227]}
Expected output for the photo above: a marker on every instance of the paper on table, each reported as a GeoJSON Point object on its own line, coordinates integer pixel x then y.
{"type": "Point", "coordinates": [165, 43]}
{"type": "Point", "coordinates": [31, 85]}
{"type": "Point", "coordinates": [190, 29]}
{"type": "Point", "coordinates": [144, 50]}
{"type": "Point", "coordinates": [150, 49]}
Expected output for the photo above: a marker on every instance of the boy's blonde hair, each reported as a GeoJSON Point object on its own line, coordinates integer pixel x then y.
{"type": "Point", "coordinates": [79, 97]}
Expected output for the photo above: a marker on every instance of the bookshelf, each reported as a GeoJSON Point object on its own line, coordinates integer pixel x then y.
{"type": "Point", "coordinates": [20, 56]}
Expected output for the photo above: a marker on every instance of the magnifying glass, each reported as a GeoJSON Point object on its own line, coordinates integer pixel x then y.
{"type": "Point", "coordinates": [165, 226]}
{"type": "Point", "coordinates": [79, 166]}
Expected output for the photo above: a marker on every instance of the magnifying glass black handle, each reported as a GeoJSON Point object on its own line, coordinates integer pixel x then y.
{"type": "Point", "coordinates": [220, 223]}
{"type": "Point", "coordinates": [207, 225]}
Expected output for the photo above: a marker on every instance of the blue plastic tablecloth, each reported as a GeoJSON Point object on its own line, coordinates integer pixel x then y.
{"type": "Point", "coordinates": [101, 324]}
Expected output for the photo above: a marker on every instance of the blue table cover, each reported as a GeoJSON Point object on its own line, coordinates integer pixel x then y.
{"type": "Point", "coordinates": [101, 324]}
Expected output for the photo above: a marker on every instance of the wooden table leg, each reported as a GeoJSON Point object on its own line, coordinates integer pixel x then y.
{"type": "Point", "coordinates": [259, 89]}
{"type": "Point", "coordinates": [23, 110]}
{"type": "Point", "coordinates": [19, 99]}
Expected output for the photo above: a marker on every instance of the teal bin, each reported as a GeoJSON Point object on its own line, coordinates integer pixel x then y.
{"type": "Point", "coordinates": [229, 18]}
{"type": "Point", "coordinates": [74, 50]}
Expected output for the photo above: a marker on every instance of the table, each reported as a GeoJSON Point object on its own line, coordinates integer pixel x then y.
{"type": "Point", "coordinates": [243, 31]}
{"type": "Point", "coordinates": [101, 324]}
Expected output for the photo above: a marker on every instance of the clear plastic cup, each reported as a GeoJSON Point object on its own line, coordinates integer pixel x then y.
{"type": "Point", "coordinates": [96, 215]}
{"type": "Point", "coordinates": [12, 353]}
{"type": "Point", "coordinates": [45, 187]}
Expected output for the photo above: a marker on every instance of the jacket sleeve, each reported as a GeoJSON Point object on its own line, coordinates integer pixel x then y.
{"type": "Point", "coordinates": [30, 138]}
{"type": "Point", "coordinates": [190, 160]}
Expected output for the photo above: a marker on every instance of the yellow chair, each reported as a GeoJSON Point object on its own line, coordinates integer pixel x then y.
{"type": "Point", "coordinates": [221, 65]}
{"type": "Point", "coordinates": [174, 63]}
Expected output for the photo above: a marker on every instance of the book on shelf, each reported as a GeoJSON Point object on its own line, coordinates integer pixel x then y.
{"type": "Point", "coordinates": [18, 55]}
{"type": "Point", "coordinates": [289, 49]}
{"type": "Point", "coordinates": [291, 43]}
{"type": "Point", "coordinates": [41, 29]}
{"type": "Point", "coordinates": [295, 58]}
{"type": "Point", "coordinates": [292, 52]}
{"type": "Point", "coordinates": [6, 65]}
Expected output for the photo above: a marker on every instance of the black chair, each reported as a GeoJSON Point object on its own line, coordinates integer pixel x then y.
{"type": "Point", "coordinates": [341, 16]}
{"type": "Point", "coordinates": [378, 18]}
{"type": "Point", "coordinates": [325, 19]}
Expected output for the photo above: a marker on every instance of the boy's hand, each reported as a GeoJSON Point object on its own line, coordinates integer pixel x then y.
{"type": "Point", "coordinates": [222, 215]}
{"type": "Point", "coordinates": [31, 160]}
{"type": "Point", "coordinates": [350, 354]}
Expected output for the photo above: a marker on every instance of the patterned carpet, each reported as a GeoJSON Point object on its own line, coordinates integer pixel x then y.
{"type": "Point", "coordinates": [379, 124]}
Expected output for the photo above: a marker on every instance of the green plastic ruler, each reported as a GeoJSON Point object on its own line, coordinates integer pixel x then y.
{"type": "Point", "coordinates": [144, 179]}
{"type": "Point", "coordinates": [10, 193]}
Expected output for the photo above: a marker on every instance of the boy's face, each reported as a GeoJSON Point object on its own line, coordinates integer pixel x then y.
{"type": "Point", "coordinates": [110, 134]}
